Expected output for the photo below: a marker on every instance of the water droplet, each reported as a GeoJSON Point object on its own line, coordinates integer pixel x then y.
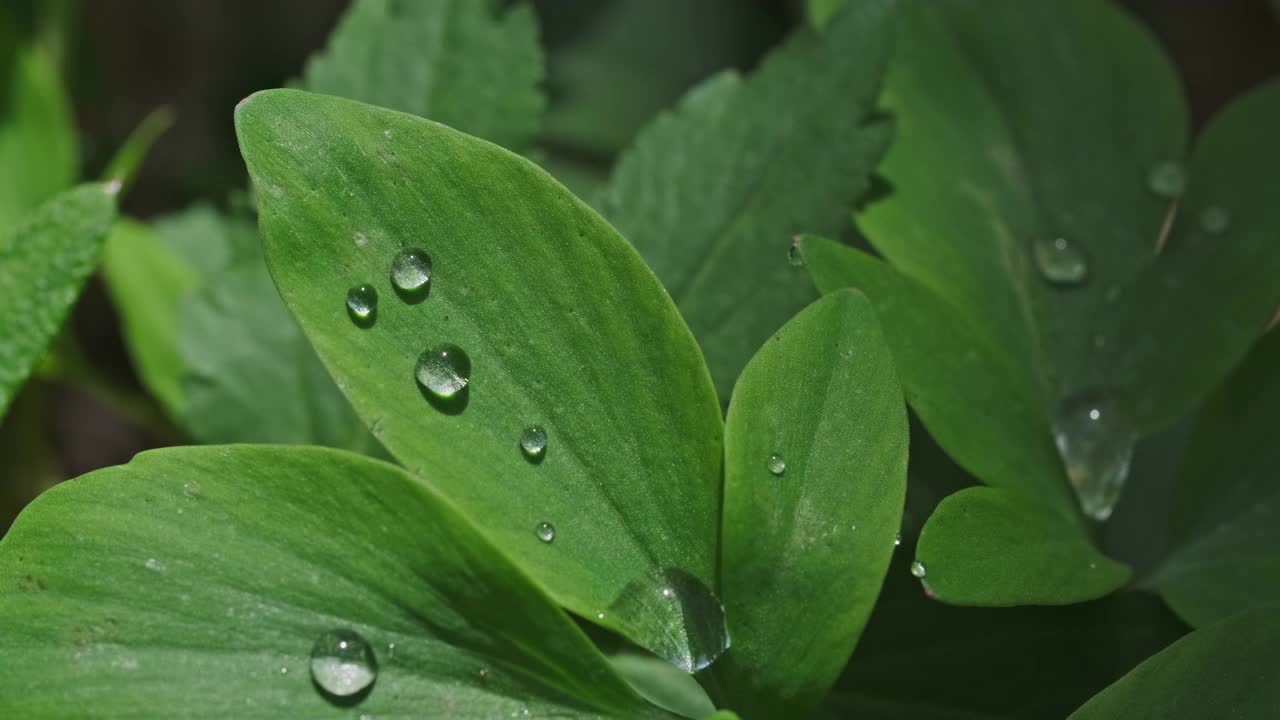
{"type": "Point", "coordinates": [361, 239]}
{"type": "Point", "coordinates": [443, 371]}
{"type": "Point", "coordinates": [793, 253]}
{"type": "Point", "coordinates": [545, 531]}
{"type": "Point", "coordinates": [411, 275]}
{"type": "Point", "coordinates": [386, 133]}
{"type": "Point", "coordinates": [777, 465]}
{"type": "Point", "coordinates": [1095, 440]}
{"type": "Point", "coordinates": [362, 305]}
{"type": "Point", "coordinates": [917, 569]}
{"type": "Point", "coordinates": [897, 540]}
{"type": "Point", "coordinates": [342, 663]}
{"type": "Point", "coordinates": [484, 675]}
{"type": "Point", "coordinates": [599, 616]}
{"type": "Point", "coordinates": [533, 442]}
{"type": "Point", "coordinates": [674, 615]}
{"type": "Point", "coordinates": [1215, 220]}
{"type": "Point", "coordinates": [1167, 179]}
{"type": "Point", "coordinates": [1060, 261]}
{"type": "Point", "coordinates": [154, 564]}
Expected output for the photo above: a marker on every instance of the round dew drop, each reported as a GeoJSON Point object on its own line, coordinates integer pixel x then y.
{"type": "Point", "coordinates": [342, 663]}
{"type": "Point", "coordinates": [917, 569]}
{"type": "Point", "coordinates": [411, 274]}
{"type": "Point", "coordinates": [1060, 261]}
{"type": "Point", "coordinates": [1215, 220]}
{"type": "Point", "coordinates": [1167, 179]}
{"type": "Point", "coordinates": [533, 442]}
{"type": "Point", "coordinates": [443, 371]}
{"type": "Point", "coordinates": [362, 304]}
{"type": "Point", "coordinates": [545, 531]}
{"type": "Point", "coordinates": [777, 465]}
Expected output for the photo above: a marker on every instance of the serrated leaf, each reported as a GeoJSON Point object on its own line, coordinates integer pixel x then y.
{"type": "Point", "coordinates": [193, 582]}
{"type": "Point", "coordinates": [547, 300]}
{"type": "Point", "coordinates": [1227, 670]}
{"type": "Point", "coordinates": [37, 137]}
{"type": "Point", "coordinates": [1224, 558]}
{"type": "Point", "coordinates": [815, 477]}
{"type": "Point", "coordinates": [463, 63]}
{"type": "Point", "coordinates": [44, 262]}
{"type": "Point", "coordinates": [712, 193]}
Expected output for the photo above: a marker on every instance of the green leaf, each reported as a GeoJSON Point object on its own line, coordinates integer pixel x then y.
{"type": "Point", "coordinates": [712, 193]}
{"type": "Point", "coordinates": [194, 581]}
{"type": "Point", "coordinates": [987, 546]}
{"type": "Point", "coordinates": [209, 240]}
{"type": "Point", "coordinates": [564, 325]}
{"type": "Point", "coordinates": [663, 684]}
{"type": "Point", "coordinates": [460, 62]}
{"type": "Point", "coordinates": [37, 138]}
{"type": "Point", "coordinates": [43, 264]}
{"type": "Point", "coordinates": [147, 282]}
{"type": "Point", "coordinates": [1225, 535]}
{"type": "Point", "coordinates": [249, 374]}
{"type": "Point", "coordinates": [1227, 670]}
{"type": "Point", "coordinates": [128, 159]}
{"type": "Point", "coordinates": [822, 397]}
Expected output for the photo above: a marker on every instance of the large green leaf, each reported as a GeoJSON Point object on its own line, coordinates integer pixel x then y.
{"type": "Point", "coordinates": [459, 62]}
{"type": "Point", "coordinates": [44, 262]}
{"type": "Point", "coordinates": [1229, 670]}
{"type": "Point", "coordinates": [712, 193]}
{"type": "Point", "coordinates": [565, 327]}
{"type": "Point", "coordinates": [193, 582]}
{"type": "Point", "coordinates": [37, 137]}
{"type": "Point", "coordinates": [1227, 541]}
{"type": "Point", "coordinates": [815, 476]}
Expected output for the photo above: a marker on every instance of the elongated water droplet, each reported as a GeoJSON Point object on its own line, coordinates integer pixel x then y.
{"type": "Point", "coordinates": [533, 443]}
{"type": "Point", "coordinates": [1215, 220]}
{"type": "Point", "coordinates": [362, 305]}
{"type": "Point", "coordinates": [1167, 179]}
{"type": "Point", "coordinates": [545, 531]}
{"type": "Point", "coordinates": [444, 371]}
{"type": "Point", "coordinates": [342, 663]}
{"type": "Point", "coordinates": [917, 569]}
{"type": "Point", "coordinates": [777, 465]}
{"type": "Point", "coordinates": [1060, 261]}
{"type": "Point", "coordinates": [673, 614]}
{"type": "Point", "coordinates": [411, 275]}
{"type": "Point", "coordinates": [1095, 439]}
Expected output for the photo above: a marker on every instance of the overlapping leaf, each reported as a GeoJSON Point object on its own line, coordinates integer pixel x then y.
{"type": "Point", "coordinates": [37, 136]}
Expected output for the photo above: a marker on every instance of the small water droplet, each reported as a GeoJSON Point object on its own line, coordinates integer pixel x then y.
{"type": "Point", "coordinates": [1095, 439]}
{"type": "Point", "coordinates": [600, 616]}
{"type": "Point", "coordinates": [484, 675]}
{"type": "Point", "coordinates": [154, 564]}
{"type": "Point", "coordinates": [794, 258]}
{"type": "Point", "coordinates": [411, 275]}
{"type": "Point", "coordinates": [444, 371]}
{"type": "Point", "coordinates": [545, 531]}
{"type": "Point", "coordinates": [1167, 179]}
{"type": "Point", "coordinates": [342, 663]}
{"type": "Point", "coordinates": [386, 133]}
{"type": "Point", "coordinates": [777, 465]}
{"type": "Point", "coordinates": [1215, 220]}
{"type": "Point", "coordinates": [673, 614]}
{"type": "Point", "coordinates": [917, 569]}
{"type": "Point", "coordinates": [361, 239]}
{"type": "Point", "coordinates": [897, 540]}
{"type": "Point", "coordinates": [1060, 261]}
{"type": "Point", "coordinates": [362, 305]}
{"type": "Point", "coordinates": [284, 671]}
{"type": "Point", "coordinates": [533, 443]}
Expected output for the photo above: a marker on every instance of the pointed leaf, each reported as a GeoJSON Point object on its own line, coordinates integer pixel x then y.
{"type": "Point", "coordinates": [460, 62]}
{"type": "Point", "coordinates": [564, 326]}
{"type": "Point", "coordinates": [44, 262]}
{"type": "Point", "coordinates": [37, 137]}
{"type": "Point", "coordinates": [1226, 536]}
{"type": "Point", "coordinates": [193, 582]}
{"type": "Point", "coordinates": [815, 477]}
{"type": "Point", "coordinates": [712, 193]}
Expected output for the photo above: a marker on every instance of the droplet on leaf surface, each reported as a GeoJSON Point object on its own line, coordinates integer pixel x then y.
{"type": "Point", "coordinates": [777, 464]}
{"type": "Point", "coordinates": [443, 371]}
{"type": "Point", "coordinates": [545, 531]}
{"type": "Point", "coordinates": [1095, 439]}
{"type": "Point", "coordinates": [1167, 179]}
{"type": "Point", "coordinates": [533, 443]}
{"type": "Point", "coordinates": [1060, 261]}
{"type": "Point", "coordinates": [676, 616]}
{"type": "Point", "coordinates": [342, 663]}
{"type": "Point", "coordinates": [1215, 220]}
{"type": "Point", "coordinates": [362, 304]}
{"type": "Point", "coordinates": [917, 569]}
{"type": "Point", "coordinates": [411, 274]}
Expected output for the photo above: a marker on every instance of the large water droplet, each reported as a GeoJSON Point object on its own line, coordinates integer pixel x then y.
{"type": "Point", "coordinates": [1167, 179]}
{"type": "Point", "coordinates": [411, 274]}
{"type": "Point", "coordinates": [1215, 220]}
{"type": "Point", "coordinates": [674, 615]}
{"type": "Point", "coordinates": [545, 531]}
{"type": "Point", "coordinates": [533, 443]}
{"type": "Point", "coordinates": [342, 663]}
{"type": "Point", "coordinates": [362, 305]}
{"type": "Point", "coordinates": [1095, 439]}
{"type": "Point", "coordinates": [917, 569]}
{"type": "Point", "coordinates": [777, 465]}
{"type": "Point", "coordinates": [443, 371]}
{"type": "Point", "coordinates": [1060, 261]}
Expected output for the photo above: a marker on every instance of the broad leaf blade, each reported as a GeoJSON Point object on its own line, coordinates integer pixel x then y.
{"type": "Point", "coordinates": [565, 328]}
{"type": "Point", "coordinates": [992, 547]}
{"type": "Point", "coordinates": [37, 138]}
{"type": "Point", "coordinates": [459, 62]}
{"type": "Point", "coordinates": [813, 540]}
{"type": "Point", "coordinates": [194, 581]}
{"type": "Point", "coordinates": [1225, 534]}
{"type": "Point", "coordinates": [1228, 670]}
{"type": "Point", "coordinates": [712, 193]}
{"type": "Point", "coordinates": [44, 262]}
